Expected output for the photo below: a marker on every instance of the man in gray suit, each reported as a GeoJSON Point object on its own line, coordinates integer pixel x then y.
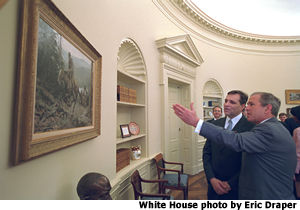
{"type": "Point", "coordinates": [269, 158]}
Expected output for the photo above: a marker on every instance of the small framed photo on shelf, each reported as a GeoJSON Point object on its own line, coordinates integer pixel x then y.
{"type": "Point", "coordinates": [134, 128]}
{"type": "Point", "coordinates": [125, 131]}
{"type": "Point", "coordinates": [292, 96]}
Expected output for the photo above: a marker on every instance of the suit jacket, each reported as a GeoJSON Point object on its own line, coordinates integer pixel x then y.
{"type": "Point", "coordinates": [269, 159]}
{"type": "Point", "coordinates": [296, 137]}
{"type": "Point", "coordinates": [291, 125]}
{"type": "Point", "coordinates": [222, 162]}
{"type": "Point", "coordinates": [211, 120]}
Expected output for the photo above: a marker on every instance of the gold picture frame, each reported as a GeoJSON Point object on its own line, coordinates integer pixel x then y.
{"type": "Point", "coordinates": [292, 96]}
{"type": "Point", "coordinates": [58, 89]}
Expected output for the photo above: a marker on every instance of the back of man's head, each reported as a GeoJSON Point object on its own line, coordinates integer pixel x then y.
{"type": "Point", "coordinates": [94, 186]}
{"type": "Point", "coordinates": [295, 111]}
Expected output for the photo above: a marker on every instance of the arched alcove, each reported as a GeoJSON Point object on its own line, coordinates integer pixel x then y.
{"type": "Point", "coordinates": [131, 101]}
{"type": "Point", "coordinates": [130, 59]}
{"type": "Point", "coordinates": [131, 124]}
{"type": "Point", "coordinates": [212, 96]}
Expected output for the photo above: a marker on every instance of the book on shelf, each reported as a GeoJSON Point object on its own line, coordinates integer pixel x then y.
{"type": "Point", "coordinates": [132, 95]}
{"type": "Point", "coordinates": [213, 103]}
{"type": "Point", "coordinates": [126, 94]}
{"type": "Point", "coordinates": [118, 92]}
{"type": "Point", "coordinates": [122, 93]}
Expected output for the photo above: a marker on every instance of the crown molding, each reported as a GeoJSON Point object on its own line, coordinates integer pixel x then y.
{"type": "Point", "coordinates": [188, 8]}
{"type": "Point", "coordinates": [189, 18]}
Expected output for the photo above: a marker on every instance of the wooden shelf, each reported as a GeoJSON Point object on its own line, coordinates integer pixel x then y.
{"type": "Point", "coordinates": [213, 96]}
{"type": "Point", "coordinates": [121, 103]}
{"type": "Point", "coordinates": [122, 75]}
{"type": "Point", "coordinates": [133, 164]}
{"type": "Point", "coordinates": [131, 138]}
{"type": "Point", "coordinates": [208, 107]}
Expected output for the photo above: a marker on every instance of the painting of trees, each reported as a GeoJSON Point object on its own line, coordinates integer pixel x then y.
{"type": "Point", "coordinates": [63, 97]}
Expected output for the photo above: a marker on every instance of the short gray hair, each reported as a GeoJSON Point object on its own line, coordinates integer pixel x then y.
{"type": "Point", "coordinates": [269, 98]}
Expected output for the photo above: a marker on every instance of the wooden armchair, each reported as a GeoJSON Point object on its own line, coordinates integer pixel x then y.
{"type": "Point", "coordinates": [177, 180]}
{"type": "Point", "coordinates": [136, 181]}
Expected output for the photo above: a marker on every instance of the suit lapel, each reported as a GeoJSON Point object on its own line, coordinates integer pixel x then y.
{"type": "Point", "coordinates": [236, 128]}
{"type": "Point", "coordinates": [221, 123]}
{"type": "Point", "coordinates": [239, 124]}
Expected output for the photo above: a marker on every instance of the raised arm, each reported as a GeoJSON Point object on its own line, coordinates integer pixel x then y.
{"type": "Point", "coordinates": [188, 116]}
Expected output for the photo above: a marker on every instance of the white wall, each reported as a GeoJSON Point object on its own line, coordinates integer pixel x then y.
{"type": "Point", "coordinates": [105, 23]}
{"type": "Point", "coordinates": [250, 72]}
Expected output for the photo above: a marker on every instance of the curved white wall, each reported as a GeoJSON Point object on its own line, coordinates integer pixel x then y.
{"type": "Point", "coordinates": [105, 23]}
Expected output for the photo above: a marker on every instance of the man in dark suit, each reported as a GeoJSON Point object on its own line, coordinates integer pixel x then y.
{"type": "Point", "coordinates": [269, 152]}
{"type": "Point", "coordinates": [291, 124]}
{"type": "Point", "coordinates": [221, 164]}
{"type": "Point", "coordinates": [217, 113]}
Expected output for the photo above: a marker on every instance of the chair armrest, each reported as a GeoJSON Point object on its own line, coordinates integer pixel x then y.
{"type": "Point", "coordinates": [154, 181]}
{"type": "Point", "coordinates": [161, 183]}
{"type": "Point", "coordinates": [175, 163]}
{"type": "Point", "coordinates": [173, 170]}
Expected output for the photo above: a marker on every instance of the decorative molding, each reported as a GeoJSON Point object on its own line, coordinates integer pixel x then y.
{"type": "Point", "coordinates": [130, 59]}
{"type": "Point", "coordinates": [180, 53]}
{"type": "Point", "coordinates": [193, 21]}
{"type": "Point", "coordinates": [121, 185]}
{"type": "Point", "coordinates": [212, 88]}
{"type": "Point", "coordinates": [189, 9]}
{"type": "Point", "coordinates": [183, 46]}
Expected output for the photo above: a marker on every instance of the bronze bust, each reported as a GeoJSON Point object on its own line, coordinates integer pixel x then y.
{"type": "Point", "coordinates": [94, 186]}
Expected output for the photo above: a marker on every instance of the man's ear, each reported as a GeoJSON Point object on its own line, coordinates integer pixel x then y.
{"type": "Point", "coordinates": [269, 108]}
{"type": "Point", "coordinates": [243, 106]}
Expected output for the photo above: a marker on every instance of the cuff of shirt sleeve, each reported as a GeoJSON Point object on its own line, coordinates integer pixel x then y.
{"type": "Point", "coordinates": [199, 126]}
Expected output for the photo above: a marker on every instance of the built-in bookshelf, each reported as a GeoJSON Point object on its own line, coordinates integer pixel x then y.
{"type": "Point", "coordinates": [212, 96]}
{"type": "Point", "coordinates": [131, 97]}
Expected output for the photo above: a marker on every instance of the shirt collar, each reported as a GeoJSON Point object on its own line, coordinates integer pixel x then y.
{"type": "Point", "coordinates": [265, 120]}
{"type": "Point", "coordinates": [234, 120]}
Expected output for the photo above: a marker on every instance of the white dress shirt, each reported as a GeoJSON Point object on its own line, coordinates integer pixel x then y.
{"type": "Point", "coordinates": [234, 120]}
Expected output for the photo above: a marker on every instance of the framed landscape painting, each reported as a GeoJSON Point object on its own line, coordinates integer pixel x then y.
{"type": "Point", "coordinates": [58, 83]}
{"type": "Point", "coordinates": [292, 96]}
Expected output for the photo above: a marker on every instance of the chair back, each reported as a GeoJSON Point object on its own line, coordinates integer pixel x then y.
{"type": "Point", "coordinates": [136, 182]}
{"type": "Point", "coordinates": [160, 164]}
{"type": "Point", "coordinates": [175, 178]}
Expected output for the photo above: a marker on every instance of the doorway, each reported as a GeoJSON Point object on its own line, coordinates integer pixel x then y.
{"type": "Point", "coordinates": [177, 145]}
